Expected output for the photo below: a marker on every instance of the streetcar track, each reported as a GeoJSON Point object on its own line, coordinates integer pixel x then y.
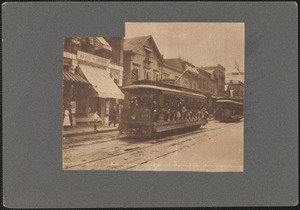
{"type": "Point", "coordinates": [157, 142]}
{"type": "Point", "coordinates": [96, 140]}
{"type": "Point", "coordinates": [161, 155]}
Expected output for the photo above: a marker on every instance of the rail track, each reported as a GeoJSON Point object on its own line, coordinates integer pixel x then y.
{"type": "Point", "coordinates": [153, 143]}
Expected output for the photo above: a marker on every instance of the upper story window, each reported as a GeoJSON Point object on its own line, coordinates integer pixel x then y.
{"type": "Point", "coordinates": [147, 55]}
{"type": "Point", "coordinates": [200, 83]}
{"type": "Point", "coordinates": [166, 76]}
{"type": "Point", "coordinates": [116, 81]}
{"type": "Point", "coordinates": [207, 87]}
{"type": "Point", "coordinates": [75, 44]}
{"type": "Point", "coordinates": [135, 75]}
{"type": "Point", "coordinates": [157, 77]}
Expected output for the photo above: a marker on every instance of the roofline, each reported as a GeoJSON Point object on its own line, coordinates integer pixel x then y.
{"type": "Point", "coordinates": [211, 67]}
{"type": "Point", "coordinates": [149, 36]}
{"type": "Point", "coordinates": [160, 55]}
{"type": "Point", "coordinates": [144, 86]}
{"type": "Point", "coordinates": [172, 67]}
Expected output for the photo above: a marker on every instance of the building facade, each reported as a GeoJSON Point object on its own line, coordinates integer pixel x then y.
{"type": "Point", "coordinates": [234, 89]}
{"type": "Point", "coordinates": [182, 72]}
{"type": "Point", "coordinates": [216, 82]}
{"type": "Point", "coordinates": [142, 60]}
{"type": "Point", "coordinates": [99, 67]}
{"type": "Point", "coordinates": [208, 80]}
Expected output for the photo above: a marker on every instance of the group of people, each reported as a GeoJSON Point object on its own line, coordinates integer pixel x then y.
{"type": "Point", "coordinates": [179, 114]}
{"type": "Point", "coordinates": [178, 110]}
{"type": "Point", "coordinates": [175, 110]}
{"type": "Point", "coordinates": [67, 117]}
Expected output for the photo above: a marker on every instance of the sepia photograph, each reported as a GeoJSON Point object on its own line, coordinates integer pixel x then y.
{"type": "Point", "coordinates": [166, 97]}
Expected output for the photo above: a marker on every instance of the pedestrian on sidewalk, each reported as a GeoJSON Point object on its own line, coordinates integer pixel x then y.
{"type": "Point", "coordinates": [66, 123]}
{"type": "Point", "coordinates": [112, 116]}
{"type": "Point", "coordinates": [96, 118]}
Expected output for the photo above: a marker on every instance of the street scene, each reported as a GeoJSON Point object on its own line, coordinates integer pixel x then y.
{"type": "Point", "coordinates": [166, 97]}
{"type": "Point", "coordinates": [205, 149]}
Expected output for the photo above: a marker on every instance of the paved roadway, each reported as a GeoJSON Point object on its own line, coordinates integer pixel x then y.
{"type": "Point", "coordinates": [216, 147]}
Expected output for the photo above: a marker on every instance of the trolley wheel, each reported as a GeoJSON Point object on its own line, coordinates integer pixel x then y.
{"type": "Point", "coordinates": [151, 132]}
{"type": "Point", "coordinates": [120, 131]}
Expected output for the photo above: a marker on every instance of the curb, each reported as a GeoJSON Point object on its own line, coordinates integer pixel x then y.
{"type": "Point", "coordinates": [88, 132]}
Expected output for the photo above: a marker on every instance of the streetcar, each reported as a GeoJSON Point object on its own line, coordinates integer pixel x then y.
{"type": "Point", "coordinates": [229, 110]}
{"type": "Point", "coordinates": [151, 107]}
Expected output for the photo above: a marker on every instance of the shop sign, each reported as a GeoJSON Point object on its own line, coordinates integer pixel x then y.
{"type": "Point", "coordinates": [73, 107]}
{"type": "Point", "coordinates": [93, 59]}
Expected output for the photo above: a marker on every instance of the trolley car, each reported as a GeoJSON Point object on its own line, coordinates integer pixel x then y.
{"type": "Point", "coordinates": [151, 107]}
{"type": "Point", "coordinates": [229, 110]}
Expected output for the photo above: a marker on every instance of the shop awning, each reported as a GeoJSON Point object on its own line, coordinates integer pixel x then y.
{"type": "Point", "coordinates": [100, 43]}
{"type": "Point", "coordinates": [102, 82]}
{"type": "Point", "coordinates": [68, 76]}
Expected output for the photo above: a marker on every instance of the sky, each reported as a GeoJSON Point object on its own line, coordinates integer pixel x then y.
{"type": "Point", "coordinates": [202, 44]}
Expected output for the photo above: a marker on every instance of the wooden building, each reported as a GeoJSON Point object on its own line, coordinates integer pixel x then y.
{"type": "Point", "coordinates": [142, 60]}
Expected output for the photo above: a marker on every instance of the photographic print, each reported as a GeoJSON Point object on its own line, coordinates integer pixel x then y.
{"type": "Point", "coordinates": [166, 97]}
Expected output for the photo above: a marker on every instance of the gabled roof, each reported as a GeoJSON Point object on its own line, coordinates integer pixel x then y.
{"type": "Point", "coordinates": [210, 71]}
{"type": "Point", "coordinates": [212, 67]}
{"type": "Point", "coordinates": [175, 63]}
{"type": "Point", "coordinates": [213, 77]}
{"type": "Point", "coordinates": [171, 67]}
{"type": "Point", "coordinates": [134, 44]}
{"type": "Point", "coordinates": [203, 72]}
{"type": "Point", "coordinates": [208, 67]}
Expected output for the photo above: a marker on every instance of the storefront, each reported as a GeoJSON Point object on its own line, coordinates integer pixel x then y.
{"type": "Point", "coordinates": [105, 92]}
{"type": "Point", "coordinates": [101, 91]}
{"type": "Point", "coordinates": [89, 59]}
{"type": "Point", "coordinates": [72, 83]}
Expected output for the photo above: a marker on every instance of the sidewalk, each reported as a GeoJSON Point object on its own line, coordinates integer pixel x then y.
{"type": "Point", "coordinates": [88, 129]}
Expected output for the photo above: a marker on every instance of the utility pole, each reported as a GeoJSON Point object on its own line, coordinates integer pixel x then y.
{"type": "Point", "coordinates": [237, 67]}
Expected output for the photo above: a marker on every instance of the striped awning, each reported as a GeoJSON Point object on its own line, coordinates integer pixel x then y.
{"type": "Point", "coordinates": [102, 82]}
{"type": "Point", "coordinates": [68, 76]}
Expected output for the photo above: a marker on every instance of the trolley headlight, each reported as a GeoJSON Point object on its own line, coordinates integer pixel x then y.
{"type": "Point", "coordinates": [133, 117]}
